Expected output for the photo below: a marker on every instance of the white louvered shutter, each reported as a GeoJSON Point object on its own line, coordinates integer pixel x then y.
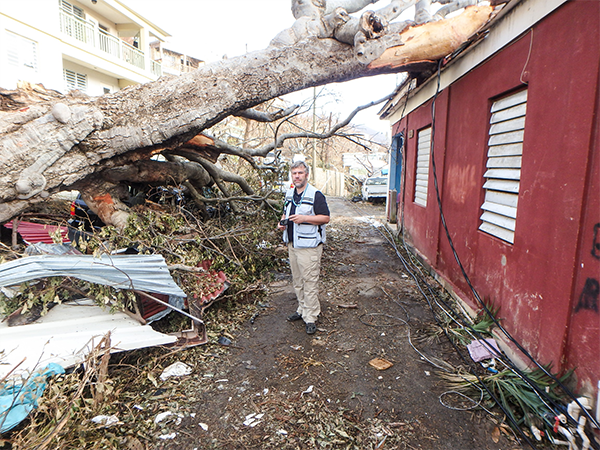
{"type": "Point", "coordinates": [75, 80]}
{"type": "Point", "coordinates": [503, 175]}
{"type": "Point", "coordinates": [422, 175]}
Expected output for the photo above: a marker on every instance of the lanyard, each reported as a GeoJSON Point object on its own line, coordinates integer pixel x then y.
{"type": "Point", "coordinates": [301, 198]}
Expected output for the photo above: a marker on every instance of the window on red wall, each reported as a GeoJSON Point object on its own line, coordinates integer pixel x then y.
{"type": "Point", "coordinates": [503, 175]}
{"type": "Point", "coordinates": [422, 175]}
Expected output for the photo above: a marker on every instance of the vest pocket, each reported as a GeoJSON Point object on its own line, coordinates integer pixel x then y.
{"type": "Point", "coordinates": [307, 235]}
{"type": "Point", "coordinates": [307, 242]}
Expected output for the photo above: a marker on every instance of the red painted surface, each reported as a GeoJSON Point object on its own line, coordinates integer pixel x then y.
{"type": "Point", "coordinates": [538, 280]}
{"type": "Point", "coordinates": [417, 217]}
{"type": "Point", "coordinates": [33, 233]}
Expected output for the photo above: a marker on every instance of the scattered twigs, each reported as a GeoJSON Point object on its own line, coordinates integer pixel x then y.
{"type": "Point", "coordinates": [12, 370]}
{"type": "Point", "coordinates": [66, 404]}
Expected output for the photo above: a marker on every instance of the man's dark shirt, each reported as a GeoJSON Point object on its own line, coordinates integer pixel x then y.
{"type": "Point", "coordinates": [320, 208]}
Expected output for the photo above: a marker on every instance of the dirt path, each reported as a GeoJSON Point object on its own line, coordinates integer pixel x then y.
{"type": "Point", "coordinates": [281, 388]}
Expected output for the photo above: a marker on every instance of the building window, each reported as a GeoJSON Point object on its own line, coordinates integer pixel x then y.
{"type": "Point", "coordinates": [74, 80]}
{"type": "Point", "coordinates": [422, 175]}
{"type": "Point", "coordinates": [72, 9]}
{"type": "Point", "coordinates": [21, 53]}
{"type": "Point", "coordinates": [503, 175]}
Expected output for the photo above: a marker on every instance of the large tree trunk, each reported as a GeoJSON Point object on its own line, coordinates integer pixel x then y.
{"type": "Point", "coordinates": [64, 142]}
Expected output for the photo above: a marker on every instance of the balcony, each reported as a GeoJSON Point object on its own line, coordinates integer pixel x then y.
{"type": "Point", "coordinates": [89, 34]}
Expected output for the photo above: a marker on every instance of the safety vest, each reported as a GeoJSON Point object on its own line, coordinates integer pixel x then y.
{"type": "Point", "coordinates": [306, 235]}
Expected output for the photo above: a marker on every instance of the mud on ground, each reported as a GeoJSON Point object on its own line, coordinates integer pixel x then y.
{"type": "Point", "coordinates": [277, 387]}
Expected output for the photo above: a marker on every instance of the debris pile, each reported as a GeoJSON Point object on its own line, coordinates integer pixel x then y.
{"type": "Point", "coordinates": [70, 307]}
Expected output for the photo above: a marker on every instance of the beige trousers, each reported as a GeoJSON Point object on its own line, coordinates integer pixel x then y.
{"type": "Point", "coordinates": [306, 267]}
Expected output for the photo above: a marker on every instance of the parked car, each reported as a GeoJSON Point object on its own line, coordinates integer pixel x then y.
{"type": "Point", "coordinates": [375, 187]}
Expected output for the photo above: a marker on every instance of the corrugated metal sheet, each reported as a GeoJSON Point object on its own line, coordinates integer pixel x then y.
{"type": "Point", "coordinates": [68, 333]}
{"type": "Point", "coordinates": [38, 232]}
{"type": "Point", "coordinates": [142, 272]}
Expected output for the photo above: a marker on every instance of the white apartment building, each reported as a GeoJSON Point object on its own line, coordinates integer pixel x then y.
{"type": "Point", "coordinates": [95, 46]}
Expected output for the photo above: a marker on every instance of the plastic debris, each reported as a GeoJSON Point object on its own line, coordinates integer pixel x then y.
{"type": "Point", "coordinates": [165, 415]}
{"type": "Point", "coordinates": [17, 400]}
{"type": "Point", "coordinates": [106, 421]}
{"type": "Point", "coordinates": [483, 349]}
{"type": "Point", "coordinates": [380, 363]}
{"type": "Point", "coordinates": [307, 391]}
{"type": "Point", "coordinates": [253, 419]}
{"type": "Point", "coordinates": [165, 437]}
{"type": "Point", "coordinates": [203, 426]}
{"type": "Point", "coordinates": [177, 369]}
{"type": "Point", "coordinates": [224, 341]}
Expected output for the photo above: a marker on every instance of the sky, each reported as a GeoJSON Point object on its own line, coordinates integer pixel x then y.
{"type": "Point", "coordinates": [210, 29]}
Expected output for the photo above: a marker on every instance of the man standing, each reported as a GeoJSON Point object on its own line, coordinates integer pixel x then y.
{"type": "Point", "coordinates": [303, 224]}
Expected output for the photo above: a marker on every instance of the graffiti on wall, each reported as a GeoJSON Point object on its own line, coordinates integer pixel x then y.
{"type": "Point", "coordinates": [589, 296]}
{"type": "Point", "coordinates": [596, 243]}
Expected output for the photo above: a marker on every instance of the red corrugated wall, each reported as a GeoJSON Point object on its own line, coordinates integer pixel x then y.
{"type": "Point", "coordinates": [540, 280]}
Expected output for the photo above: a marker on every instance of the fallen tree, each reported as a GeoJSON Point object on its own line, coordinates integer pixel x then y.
{"type": "Point", "coordinates": [51, 142]}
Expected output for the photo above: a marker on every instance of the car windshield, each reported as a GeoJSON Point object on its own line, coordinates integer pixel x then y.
{"type": "Point", "coordinates": [376, 181]}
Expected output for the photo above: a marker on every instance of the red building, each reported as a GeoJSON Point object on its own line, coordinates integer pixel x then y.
{"type": "Point", "coordinates": [516, 145]}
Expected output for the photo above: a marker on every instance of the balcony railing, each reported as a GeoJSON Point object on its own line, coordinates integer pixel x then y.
{"type": "Point", "coordinates": [87, 33]}
{"type": "Point", "coordinates": [156, 68]}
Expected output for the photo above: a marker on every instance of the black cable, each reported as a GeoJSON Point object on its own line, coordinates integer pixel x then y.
{"type": "Point", "coordinates": [468, 280]}
{"type": "Point", "coordinates": [469, 364]}
{"type": "Point", "coordinates": [463, 358]}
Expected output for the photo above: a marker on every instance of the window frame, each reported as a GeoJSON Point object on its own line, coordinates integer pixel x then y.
{"type": "Point", "coordinates": [17, 47]}
{"type": "Point", "coordinates": [502, 177]}
{"type": "Point", "coordinates": [422, 166]}
{"type": "Point", "coordinates": [79, 80]}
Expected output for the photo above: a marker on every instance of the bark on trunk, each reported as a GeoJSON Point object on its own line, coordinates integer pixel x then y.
{"type": "Point", "coordinates": [59, 144]}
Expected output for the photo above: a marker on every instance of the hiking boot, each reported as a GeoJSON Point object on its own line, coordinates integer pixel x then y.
{"type": "Point", "coordinates": [294, 317]}
{"type": "Point", "coordinates": [311, 328]}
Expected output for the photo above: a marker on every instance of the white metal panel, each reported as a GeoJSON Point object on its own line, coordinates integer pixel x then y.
{"type": "Point", "coordinates": [68, 333]}
{"type": "Point", "coordinates": [504, 164]}
{"type": "Point", "coordinates": [504, 174]}
{"type": "Point", "coordinates": [510, 113]}
{"type": "Point", "coordinates": [511, 100]}
{"type": "Point", "coordinates": [144, 272]}
{"type": "Point", "coordinates": [507, 138]}
{"type": "Point", "coordinates": [508, 162]}
{"type": "Point", "coordinates": [502, 185]}
{"type": "Point", "coordinates": [502, 198]}
{"type": "Point", "coordinates": [422, 170]}
{"type": "Point", "coordinates": [506, 150]}
{"type": "Point", "coordinates": [420, 199]}
{"type": "Point", "coordinates": [502, 233]}
{"type": "Point", "coordinates": [508, 125]}
{"type": "Point", "coordinates": [503, 210]}
{"type": "Point", "coordinates": [499, 220]}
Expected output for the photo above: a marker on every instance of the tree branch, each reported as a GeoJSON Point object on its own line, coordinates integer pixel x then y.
{"type": "Point", "coordinates": [264, 116]}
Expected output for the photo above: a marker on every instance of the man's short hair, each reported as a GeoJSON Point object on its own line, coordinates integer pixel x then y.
{"type": "Point", "coordinates": [298, 164]}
